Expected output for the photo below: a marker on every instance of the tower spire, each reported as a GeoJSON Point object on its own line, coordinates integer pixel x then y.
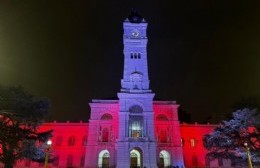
{"type": "Point", "coordinates": [135, 77]}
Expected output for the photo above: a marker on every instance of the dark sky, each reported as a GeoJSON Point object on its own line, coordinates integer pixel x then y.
{"type": "Point", "coordinates": [204, 54]}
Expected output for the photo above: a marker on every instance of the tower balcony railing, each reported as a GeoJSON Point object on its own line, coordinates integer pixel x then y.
{"type": "Point", "coordinates": [137, 139]}
{"type": "Point", "coordinates": [136, 133]}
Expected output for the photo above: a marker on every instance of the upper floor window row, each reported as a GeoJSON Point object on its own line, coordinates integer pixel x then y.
{"type": "Point", "coordinates": [192, 141]}
{"type": "Point", "coordinates": [71, 141]}
{"type": "Point", "coordinates": [135, 55]}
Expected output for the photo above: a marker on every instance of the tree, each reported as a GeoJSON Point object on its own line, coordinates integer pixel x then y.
{"type": "Point", "coordinates": [227, 140]}
{"type": "Point", "coordinates": [21, 114]}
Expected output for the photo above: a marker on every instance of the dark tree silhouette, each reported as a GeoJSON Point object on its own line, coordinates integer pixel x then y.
{"type": "Point", "coordinates": [21, 114]}
{"type": "Point", "coordinates": [227, 140]}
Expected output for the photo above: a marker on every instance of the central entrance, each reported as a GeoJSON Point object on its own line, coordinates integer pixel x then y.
{"type": "Point", "coordinates": [136, 158]}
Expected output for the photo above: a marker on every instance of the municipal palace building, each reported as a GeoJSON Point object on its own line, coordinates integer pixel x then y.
{"type": "Point", "coordinates": [133, 131]}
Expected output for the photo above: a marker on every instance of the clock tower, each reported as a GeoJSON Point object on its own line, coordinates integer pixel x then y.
{"type": "Point", "coordinates": [135, 77]}
{"type": "Point", "coordinates": [136, 138]}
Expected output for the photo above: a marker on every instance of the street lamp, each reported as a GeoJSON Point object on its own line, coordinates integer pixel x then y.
{"type": "Point", "coordinates": [49, 142]}
{"type": "Point", "coordinates": [248, 156]}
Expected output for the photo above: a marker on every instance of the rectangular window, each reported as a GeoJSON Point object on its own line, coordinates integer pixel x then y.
{"type": "Point", "coordinates": [192, 143]}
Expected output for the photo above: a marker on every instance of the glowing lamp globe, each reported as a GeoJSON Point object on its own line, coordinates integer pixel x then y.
{"type": "Point", "coordinates": [49, 142]}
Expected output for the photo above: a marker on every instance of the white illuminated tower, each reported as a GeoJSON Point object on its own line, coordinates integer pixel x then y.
{"type": "Point", "coordinates": [136, 138]}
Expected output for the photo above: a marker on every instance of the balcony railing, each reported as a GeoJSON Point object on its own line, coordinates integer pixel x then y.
{"type": "Point", "coordinates": [137, 139]}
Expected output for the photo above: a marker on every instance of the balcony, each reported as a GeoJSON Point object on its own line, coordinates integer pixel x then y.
{"type": "Point", "coordinates": [137, 139]}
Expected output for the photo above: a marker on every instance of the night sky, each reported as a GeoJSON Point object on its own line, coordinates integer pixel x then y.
{"type": "Point", "coordinates": [204, 54]}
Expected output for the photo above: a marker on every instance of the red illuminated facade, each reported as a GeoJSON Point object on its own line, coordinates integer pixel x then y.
{"type": "Point", "coordinates": [70, 142]}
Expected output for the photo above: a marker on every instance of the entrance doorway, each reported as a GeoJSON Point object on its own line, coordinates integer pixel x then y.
{"type": "Point", "coordinates": [103, 159]}
{"type": "Point", "coordinates": [165, 159]}
{"type": "Point", "coordinates": [136, 158]}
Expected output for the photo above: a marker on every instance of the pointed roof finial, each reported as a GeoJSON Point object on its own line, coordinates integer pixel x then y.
{"type": "Point", "coordinates": [134, 17]}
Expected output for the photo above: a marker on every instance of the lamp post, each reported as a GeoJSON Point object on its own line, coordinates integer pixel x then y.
{"type": "Point", "coordinates": [248, 156]}
{"type": "Point", "coordinates": [49, 142]}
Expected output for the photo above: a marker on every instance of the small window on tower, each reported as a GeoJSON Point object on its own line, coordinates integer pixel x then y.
{"type": "Point", "coordinates": [135, 55]}
{"type": "Point", "coordinates": [132, 55]}
{"type": "Point", "coordinates": [139, 55]}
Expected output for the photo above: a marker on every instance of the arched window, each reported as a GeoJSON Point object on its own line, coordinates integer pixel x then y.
{"type": "Point", "coordinates": [163, 136]}
{"type": "Point", "coordinates": [165, 159]}
{"type": "Point", "coordinates": [135, 122]}
{"type": "Point", "coordinates": [69, 160]}
{"type": "Point", "coordinates": [135, 109]}
{"type": "Point", "coordinates": [56, 161]}
{"type": "Point", "coordinates": [103, 159]}
{"type": "Point", "coordinates": [161, 117]}
{"type": "Point", "coordinates": [82, 161]}
{"type": "Point", "coordinates": [192, 142]}
{"type": "Point", "coordinates": [71, 141]}
{"type": "Point", "coordinates": [182, 142]}
{"type": "Point", "coordinates": [105, 135]}
{"type": "Point", "coordinates": [135, 126]}
{"type": "Point", "coordinates": [84, 141]}
{"type": "Point", "coordinates": [59, 141]}
{"type": "Point", "coordinates": [106, 117]}
{"type": "Point", "coordinates": [139, 56]}
{"type": "Point", "coordinates": [194, 160]}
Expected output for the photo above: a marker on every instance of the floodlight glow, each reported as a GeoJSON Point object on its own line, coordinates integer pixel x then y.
{"type": "Point", "coordinates": [49, 142]}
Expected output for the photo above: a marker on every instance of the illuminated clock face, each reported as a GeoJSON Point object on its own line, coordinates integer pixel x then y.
{"type": "Point", "coordinates": [135, 33]}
